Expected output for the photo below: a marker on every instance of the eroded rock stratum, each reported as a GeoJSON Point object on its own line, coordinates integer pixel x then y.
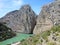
{"type": "Point", "coordinates": [48, 17]}
{"type": "Point", "coordinates": [22, 20]}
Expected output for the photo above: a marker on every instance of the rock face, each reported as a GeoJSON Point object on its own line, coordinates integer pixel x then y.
{"type": "Point", "coordinates": [49, 16]}
{"type": "Point", "coordinates": [22, 20]}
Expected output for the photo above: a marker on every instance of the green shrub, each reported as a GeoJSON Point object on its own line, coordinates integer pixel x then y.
{"type": "Point", "coordinates": [45, 34]}
{"type": "Point", "coordinates": [5, 32]}
{"type": "Point", "coordinates": [55, 29]}
{"type": "Point", "coordinates": [36, 38]}
{"type": "Point", "coordinates": [51, 43]}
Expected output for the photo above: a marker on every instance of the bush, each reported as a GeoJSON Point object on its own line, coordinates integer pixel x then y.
{"type": "Point", "coordinates": [51, 43]}
{"type": "Point", "coordinates": [37, 39]}
{"type": "Point", "coordinates": [55, 29]}
{"type": "Point", "coordinates": [5, 32]}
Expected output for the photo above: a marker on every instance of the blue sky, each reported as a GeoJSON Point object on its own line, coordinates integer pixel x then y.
{"type": "Point", "coordinates": [10, 5]}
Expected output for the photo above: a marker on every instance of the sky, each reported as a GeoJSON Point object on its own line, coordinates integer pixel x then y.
{"type": "Point", "coordinates": [11, 5]}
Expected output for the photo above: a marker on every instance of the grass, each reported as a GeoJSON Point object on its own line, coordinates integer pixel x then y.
{"type": "Point", "coordinates": [51, 43]}
{"type": "Point", "coordinates": [36, 39]}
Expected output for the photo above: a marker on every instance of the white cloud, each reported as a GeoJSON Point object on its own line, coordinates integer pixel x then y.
{"type": "Point", "coordinates": [10, 4]}
{"type": "Point", "coordinates": [17, 2]}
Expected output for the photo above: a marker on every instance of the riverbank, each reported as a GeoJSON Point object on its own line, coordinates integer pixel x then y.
{"type": "Point", "coordinates": [19, 37]}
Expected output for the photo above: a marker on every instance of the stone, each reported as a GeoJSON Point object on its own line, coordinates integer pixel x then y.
{"type": "Point", "coordinates": [22, 20]}
{"type": "Point", "coordinates": [48, 17]}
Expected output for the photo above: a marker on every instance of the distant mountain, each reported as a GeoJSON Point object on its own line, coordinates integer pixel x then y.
{"type": "Point", "coordinates": [22, 20]}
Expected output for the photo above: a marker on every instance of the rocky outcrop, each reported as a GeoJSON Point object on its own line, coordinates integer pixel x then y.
{"type": "Point", "coordinates": [22, 20]}
{"type": "Point", "coordinates": [48, 17]}
{"type": "Point", "coordinates": [50, 37]}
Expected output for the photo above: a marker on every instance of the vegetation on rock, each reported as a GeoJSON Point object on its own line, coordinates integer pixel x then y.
{"type": "Point", "coordinates": [50, 37]}
{"type": "Point", "coordinates": [5, 32]}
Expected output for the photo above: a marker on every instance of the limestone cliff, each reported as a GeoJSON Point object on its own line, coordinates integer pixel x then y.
{"type": "Point", "coordinates": [48, 17]}
{"type": "Point", "coordinates": [22, 20]}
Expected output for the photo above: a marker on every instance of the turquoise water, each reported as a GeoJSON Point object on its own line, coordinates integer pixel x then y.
{"type": "Point", "coordinates": [18, 37]}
